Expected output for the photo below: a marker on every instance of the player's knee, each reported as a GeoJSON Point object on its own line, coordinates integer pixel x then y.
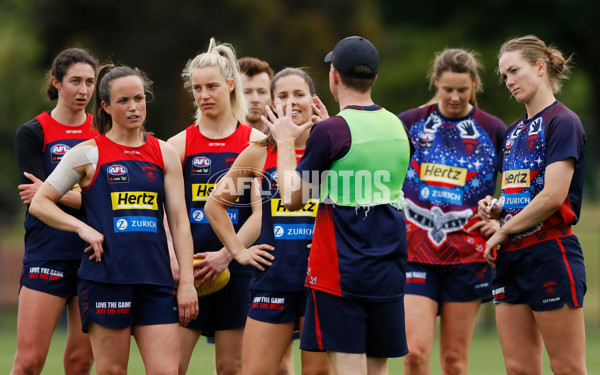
{"type": "Point", "coordinates": [454, 362]}
{"type": "Point", "coordinates": [78, 363]}
{"type": "Point", "coordinates": [519, 368]}
{"type": "Point", "coordinates": [229, 366]}
{"type": "Point", "coordinates": [111, 369]}
{"type": "Point", "coordinates": [28, 364]}
{"type": "Point", "coordinates": [560, 367]}
{"type": "Point", "coordinates": [416, 357]}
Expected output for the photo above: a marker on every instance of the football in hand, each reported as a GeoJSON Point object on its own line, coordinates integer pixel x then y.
{"type": "Point", "coordinates": [219, 283]}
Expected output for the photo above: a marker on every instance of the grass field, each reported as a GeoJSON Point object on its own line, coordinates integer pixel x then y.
{"type": "Point", "coordinates": [486, 355]}
{"type": "Point", "coordinates": [485, 358]}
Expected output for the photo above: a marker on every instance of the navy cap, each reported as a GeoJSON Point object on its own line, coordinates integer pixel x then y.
{"type": "Point", "coordinates": [351, 52]}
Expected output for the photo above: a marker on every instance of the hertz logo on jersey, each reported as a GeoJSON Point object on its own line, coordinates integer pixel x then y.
{"type": "Point", "coordinates": [310, 209]}
{"type": "Point", "coordinates": [518, 178]}
{"type": "Point", "coordinates": [200, 192]}
{"type": "Point", "coordinates": [143, 200]}
{"type": "Point", "coordinates": [443, 173]}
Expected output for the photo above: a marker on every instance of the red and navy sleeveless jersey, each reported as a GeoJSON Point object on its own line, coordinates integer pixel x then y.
{"type": "Point", "coordinates": [289, 232]}
{"type": "Point", "coordinates": [42, 241]}
{"type": "Point", "coordinates": [206, 161]}
{"type": "Point", "coordinates": [555, 134]}
{"type": "Point", "coordinates": [124, 202]}
{"type": "Point", "coordinates": [453, 167]}
{"type": "Point", "coordinates": [357, 252]}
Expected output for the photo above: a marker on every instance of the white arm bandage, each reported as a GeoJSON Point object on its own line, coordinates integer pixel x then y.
{"type": "Point", "coordinates": [64, 176]}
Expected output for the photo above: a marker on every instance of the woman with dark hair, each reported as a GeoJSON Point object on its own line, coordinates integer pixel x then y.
{"type": "Point", "coordinates": [277, 292]}
{"type": "Point", "coordinates": [52, 257]}
{"type": "Point", "coordinates": [129, 181]}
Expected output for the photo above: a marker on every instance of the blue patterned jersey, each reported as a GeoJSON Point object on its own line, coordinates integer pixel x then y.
{"type": "Point", "coordinates": [452, 168]}
{"type": "Point", "coordinates": [554, 134]}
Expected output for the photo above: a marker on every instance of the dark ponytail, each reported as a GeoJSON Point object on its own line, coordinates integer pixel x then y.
{"type": "Point", "coordinates": [102, 121]}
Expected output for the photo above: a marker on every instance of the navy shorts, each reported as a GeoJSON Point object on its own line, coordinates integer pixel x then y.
{"type": "Point", "coordinates": [450, 283]}
{"type": "Point", "coordinates": [276, 307]}
{"type": "Point", "coordinates": [126, 305]}
{"type": "Point", "coordinates": [544, 276]}
{"type": "Point", "coordinates": [345, 325]}
{"type": "Point", "coordinates": [224, 310]}
{"type": "Point", "coordinates": [56, 277]}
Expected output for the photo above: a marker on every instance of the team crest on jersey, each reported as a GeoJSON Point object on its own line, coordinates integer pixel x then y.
{"type": "Point", "coordinates": [201, 165]}
{"type": "Point", "coordinates": [229, 162]}
{"type": "Point", "coordinates": [534, 129]}
{"type": "Point", "coordinates": [150, 173]}
{"type": "Point", "coordinates": [117, 173]}
{"type": "Point", "coordinates": [469, 134]}
{"type": "Point", "coordinates": [58, 151]}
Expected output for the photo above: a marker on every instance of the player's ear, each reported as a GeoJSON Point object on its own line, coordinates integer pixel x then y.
{"type": "Point", "coordinates": [105, 107]}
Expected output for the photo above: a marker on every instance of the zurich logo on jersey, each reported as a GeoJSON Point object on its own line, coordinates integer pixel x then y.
{"type": "Point", "coordinates": [278, 231]}
{"type": "Point", "coordinates": [293, 231]}
{"type": "Point", "coordinates": [197, 216]}
{"type": "Point", "coordinates": [135, 224]}
{"type": "Point", "coordinates": [58, 151]}
{"type": "Point", "coordinates": [117, 173]}
{"type": "Point", "coordinates": [201, 165]}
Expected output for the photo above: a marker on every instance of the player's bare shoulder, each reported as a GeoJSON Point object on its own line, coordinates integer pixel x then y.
{"type": "Point", "coordinates": [178, 142]}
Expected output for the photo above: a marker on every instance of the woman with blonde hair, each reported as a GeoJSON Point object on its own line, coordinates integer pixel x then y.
{"type": "Point", "coordinates": [207, 149]}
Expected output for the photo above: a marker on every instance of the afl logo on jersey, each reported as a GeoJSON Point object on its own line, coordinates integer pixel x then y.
{"type": "Point", "coordinates": [201, 165]}
{"type": "Point", "coordinates": [58, 151]}
{"type": "Point", "coordinates": [426, 139]}
{"type": "Point", "coordinates": [509, 144]}
{"type": "Point", "coordinates": [274, 180]}
{"type": "Point", "coordinates": [117, 173]}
